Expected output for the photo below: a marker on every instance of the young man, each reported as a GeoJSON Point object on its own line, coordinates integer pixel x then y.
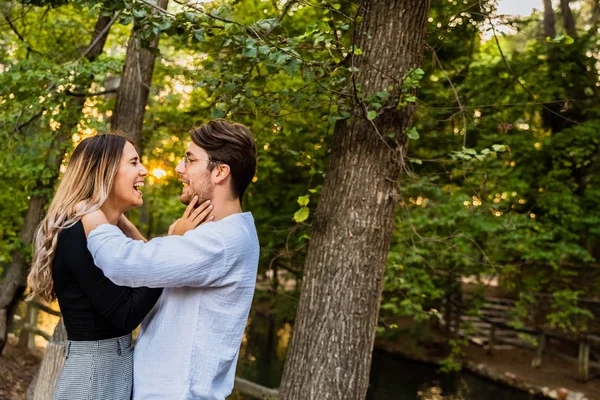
{"type": "Point", "coordinates": [188, 345]}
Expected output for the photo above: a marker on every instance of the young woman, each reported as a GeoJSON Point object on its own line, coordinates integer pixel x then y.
{"type": "Point", "coordinates": [104, 173]}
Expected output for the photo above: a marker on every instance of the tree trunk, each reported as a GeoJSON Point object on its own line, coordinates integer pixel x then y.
{"type": "Point", "coordinates": [549, 22]}
{"type": "Point", "coordinates": [568, 19]}
{"type": "Point", "coordinates": [13, 285]}
{"type": "Point", "coordinates": [42, 386]}
{"type": "Point", "coordinates": [331, 348]}
{"type": "Point", "coordinates": [128, 115]}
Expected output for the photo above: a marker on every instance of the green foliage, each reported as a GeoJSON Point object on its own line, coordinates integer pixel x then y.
{"type": "Point", "coordinates": [502, 176]}
{"type": "Point", "coordinates": [505, 185]}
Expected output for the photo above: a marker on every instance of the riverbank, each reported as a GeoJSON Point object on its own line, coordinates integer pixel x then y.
{"type": "Point", "coordinates": [509, 367]}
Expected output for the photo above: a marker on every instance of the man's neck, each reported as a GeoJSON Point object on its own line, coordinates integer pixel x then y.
{"type": "Point", "coordinates": [225, 208]}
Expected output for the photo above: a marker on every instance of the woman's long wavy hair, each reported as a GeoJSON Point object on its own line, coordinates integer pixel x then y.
{"type": "Point", "coordinates": [89, 178]}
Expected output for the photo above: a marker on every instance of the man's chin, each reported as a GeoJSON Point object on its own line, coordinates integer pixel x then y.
{"type": "Point", "coordinates": [184, 199]}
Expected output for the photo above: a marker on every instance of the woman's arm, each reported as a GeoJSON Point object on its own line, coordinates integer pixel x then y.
{"type": "Point", "coordinates": [129, 229]}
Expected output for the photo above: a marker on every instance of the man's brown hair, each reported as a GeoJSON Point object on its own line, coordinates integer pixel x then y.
{"type": "Point", "coordinates": [232, 144]}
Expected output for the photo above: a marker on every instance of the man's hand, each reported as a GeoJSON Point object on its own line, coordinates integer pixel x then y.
{"type": "Point", "coordinates": [93, 220]}
{"type": "Point", "coordinates": [192, 217]}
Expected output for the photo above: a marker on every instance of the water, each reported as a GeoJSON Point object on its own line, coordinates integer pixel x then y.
{"type": "Point", "coordinates": [262, 356]}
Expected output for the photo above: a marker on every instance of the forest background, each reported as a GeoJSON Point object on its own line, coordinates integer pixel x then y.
{"type": "Point", "coordinates": [499, 170]}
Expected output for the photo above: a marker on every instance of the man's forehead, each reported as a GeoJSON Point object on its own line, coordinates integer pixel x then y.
{"type": "Point", "coordinates": [195, 150]}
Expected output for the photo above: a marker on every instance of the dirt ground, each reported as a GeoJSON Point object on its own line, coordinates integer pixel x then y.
{"type": "Point", "coordinates": [17, 367]}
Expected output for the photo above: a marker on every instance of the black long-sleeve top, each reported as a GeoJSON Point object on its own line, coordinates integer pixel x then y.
{"type": "Point", "coordinates": [92, 306]}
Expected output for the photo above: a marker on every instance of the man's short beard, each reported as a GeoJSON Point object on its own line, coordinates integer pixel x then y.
{"type": "Point", "coordinates": [202, 197]}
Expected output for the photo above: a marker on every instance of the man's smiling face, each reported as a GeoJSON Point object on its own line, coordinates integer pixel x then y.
{"type": "Point", "coordinates": [195, 176]}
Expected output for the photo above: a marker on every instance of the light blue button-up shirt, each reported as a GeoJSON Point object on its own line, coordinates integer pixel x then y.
{"type": "Point", "coordinates": [189, 343]}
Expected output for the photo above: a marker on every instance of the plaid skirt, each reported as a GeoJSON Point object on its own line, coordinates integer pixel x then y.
{"type": "Point", "coordinates": [101, 369]}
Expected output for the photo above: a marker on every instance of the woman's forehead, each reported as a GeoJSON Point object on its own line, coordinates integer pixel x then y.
{"type": "Point", "coordinates": [129, 151]}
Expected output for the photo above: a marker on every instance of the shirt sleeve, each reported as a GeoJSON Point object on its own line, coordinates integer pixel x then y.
{"type": "Point", "coordinates": [124, 307]}
{"type": "Point", "coordinates": [196, 259]}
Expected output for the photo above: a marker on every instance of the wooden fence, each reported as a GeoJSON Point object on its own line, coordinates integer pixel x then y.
{"type": "Point", "coordinates": [29, 329]}
{"type": "Point", "coordinates": [491, 330]}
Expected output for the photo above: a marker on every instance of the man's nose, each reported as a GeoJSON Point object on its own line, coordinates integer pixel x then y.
{"type": "Point", "coordinates": [180, 167]}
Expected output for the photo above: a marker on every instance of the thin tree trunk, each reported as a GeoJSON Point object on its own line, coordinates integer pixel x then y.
{"type": "Point", "coordinates": [331, 349]}
{"type": "Point", "coordinates": [595, 15]}
{"type": "Point", "coordinates": [549, 21]}
{"type": "Point", "coordinates": [42, 386]}
{"type": "Point", "coordinates": [568, 19]}
{"type": "Point", "coordinates": [128, 115]}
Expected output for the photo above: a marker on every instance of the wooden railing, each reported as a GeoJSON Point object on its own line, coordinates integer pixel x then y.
{"type": "Point", "coordinates": [29, 330]}
{"type": "Point", "coordinates": [28, 325]}
{"type": "Point", "coordinates": [489, 334]}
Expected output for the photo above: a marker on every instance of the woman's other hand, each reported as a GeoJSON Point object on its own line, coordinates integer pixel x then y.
{"type": "Point", "coordinates": [129, 229]}
{"type": "Point", "coordinates": [192, 217]}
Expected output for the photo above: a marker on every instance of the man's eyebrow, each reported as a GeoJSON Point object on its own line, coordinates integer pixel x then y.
{"type": "Point", "coordinates": [188, 154]}
{"type": "Point", "coordinates": [134, 158]}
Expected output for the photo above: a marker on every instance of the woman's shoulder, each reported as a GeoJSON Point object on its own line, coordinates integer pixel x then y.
{"type": "Point", "coordinates": [72, 234]}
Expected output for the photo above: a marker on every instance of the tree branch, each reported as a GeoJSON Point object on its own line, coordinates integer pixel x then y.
{"type": "Point", "coordinates": [286, 9]}
{"type": "Point", "coordinates": [101, 35]}
{"type": "Point", "coordinates": [75, 94]}
{"type": "Point", "coordinates": [24, 124]}
{"type": "Point", "coordinates": [21, 38]}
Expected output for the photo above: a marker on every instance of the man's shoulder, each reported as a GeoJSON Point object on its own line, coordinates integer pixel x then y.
{"type": "Point", "coordinates": [236, 228]}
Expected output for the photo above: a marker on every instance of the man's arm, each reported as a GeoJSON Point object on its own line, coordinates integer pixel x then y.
{"type": "Point", "coordinates": [196, 259]}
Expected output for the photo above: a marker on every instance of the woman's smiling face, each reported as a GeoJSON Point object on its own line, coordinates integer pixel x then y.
{"type": "Point", "coordinates": [126, 192]}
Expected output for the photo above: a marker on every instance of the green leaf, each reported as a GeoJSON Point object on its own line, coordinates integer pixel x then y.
{"type": "Point", "coordinates": [303, 200]}
{"type": "Point", "coordinates": [250, 52]}
{"type": "Point", "coordinates": [371, 115]}
{"type": "Point", "coordinates": [199, 34]}
{"type": "Point", "coordinates": [276, 108]}
{"type": "Point", "coordinates": [413, 134]}
{"type": "Point", "coordinates": [139, 13]}
{"type": "Point", "coordinates": [302, 214]}
{"type": "Point", "coordinates": [416, 161]}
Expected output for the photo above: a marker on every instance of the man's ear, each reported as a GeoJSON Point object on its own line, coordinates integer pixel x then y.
{"type": "Point", "coordinates": [222, 172]}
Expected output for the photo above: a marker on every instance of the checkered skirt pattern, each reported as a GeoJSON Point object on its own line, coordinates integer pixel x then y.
{"type": "Point", "coordinates": [97, 370]}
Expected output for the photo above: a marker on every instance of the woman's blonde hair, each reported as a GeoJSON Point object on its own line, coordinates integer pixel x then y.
{"type": "Point", "coordinates": [89, 178]}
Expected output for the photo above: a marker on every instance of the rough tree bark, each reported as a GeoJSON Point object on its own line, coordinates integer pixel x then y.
{"type": "Point", "coordinates": [13, 285]}
{"type": "Point", "coordinates": [128, 115]}
{"type": "Point", "coordinates": [330, 353]}
{"type": "Point", "coordinates": [42, 386]}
